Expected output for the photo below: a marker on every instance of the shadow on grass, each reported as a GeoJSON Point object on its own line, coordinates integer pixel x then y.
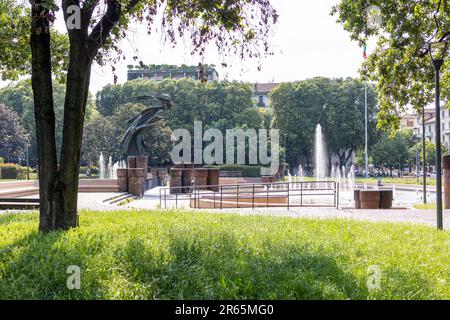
{"type": "Point", "coordinates": [36, 267]}
{"type": "Point", "coordinates": [227, 270]}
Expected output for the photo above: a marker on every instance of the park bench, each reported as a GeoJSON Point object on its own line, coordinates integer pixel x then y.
{"type": "Point", "coordinates": [19, 204]}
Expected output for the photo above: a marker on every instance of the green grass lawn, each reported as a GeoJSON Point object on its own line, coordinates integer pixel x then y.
{"type": "Point", "coordinates": [185, 255]}
{"type": "Point", "coordinates": [405, 180]}
{"type": "Point", "coordinates": [425, 206]}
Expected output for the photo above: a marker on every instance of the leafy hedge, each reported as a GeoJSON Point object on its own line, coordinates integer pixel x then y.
{"type": "Point", "coordinates": [83, 170]}
{"type": "Point", "coordinates": [246, 171]}
{"type": "Point", "coordinates": [12, 171]}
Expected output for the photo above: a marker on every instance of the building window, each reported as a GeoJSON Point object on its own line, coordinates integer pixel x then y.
{"type": "Point", "coordinates": [429, 128]}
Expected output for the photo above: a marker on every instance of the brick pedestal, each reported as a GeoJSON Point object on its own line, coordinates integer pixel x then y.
{"type": "Point", "coordinates": [386, 198]}
{"type": "Point", "coordinates": [369, 199]}
{"type": "Point", "coordinates": [446, 166]}
{"type": "Point", "coordinates": [213, 179]}
{"type": "Point", "coordinates": [136, 181]}
{"type": "Point", "coordinates": [131, 162]}
{"type": "Point", "coordinates": [187, 180]}
{"type": "Point", "coordinates": [142, 162]}
{"type": "Point", "coordinates": [122, 180]}
{"type": "Point", "coordinates": [357, 199]}
{"type": "Point", "coordinates": [176, 180]}
{"type": "Point", "coordinates": [200, 178]}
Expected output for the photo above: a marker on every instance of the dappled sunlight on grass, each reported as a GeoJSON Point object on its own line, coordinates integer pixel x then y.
{"type": "Point", "coordinates": [169, 255]}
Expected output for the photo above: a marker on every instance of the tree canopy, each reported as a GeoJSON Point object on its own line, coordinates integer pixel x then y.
{"type": "Point", "coordinates": [14, 138]}
{"type": "Point", "coordinates": [19, 97]}
{"type": "Point", "coordinates": [221, 105]}
{"type": "Point", "coordinates": [94, 28]}
{"type": "Point", "coordinates": [393, 151]}
{"type": "Point", "coordinates": [336, 104]}
{"type": "Point", "coordinates": [15, 51]}
{"type": "Point", "coordinates": [399, 64]}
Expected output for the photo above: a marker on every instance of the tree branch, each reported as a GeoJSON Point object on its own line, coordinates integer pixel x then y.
{"type": "Point", "coordinates": [103, 28]}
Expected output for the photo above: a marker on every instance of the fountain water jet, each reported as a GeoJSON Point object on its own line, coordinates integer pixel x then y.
{"type": "Point", "coordinates": [102, 166]}
{"type": "Point", "coordinates": [320, 154]}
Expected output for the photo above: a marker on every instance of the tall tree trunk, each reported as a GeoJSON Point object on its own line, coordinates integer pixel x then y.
{"type": "Point", "coordinates": [45, 118]}
{"type": "Point", "coordinates": [77, 90]}
{"type": "Point", "coordinates": [58, 185]}
{"type": "Point", "coordinates": [349, 153]}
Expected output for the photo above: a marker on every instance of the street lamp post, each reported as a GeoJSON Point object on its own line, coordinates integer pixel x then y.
{"type": "Point", "coordinates": [437, 52]}
{"type": "Point", "coordinates": [366, 152]}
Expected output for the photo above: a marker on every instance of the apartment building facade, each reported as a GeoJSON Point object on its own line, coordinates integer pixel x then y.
{"type": "Point", "coordinates": [414, 122]}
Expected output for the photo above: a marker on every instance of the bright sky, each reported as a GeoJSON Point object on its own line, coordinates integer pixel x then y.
{"type": "Point", "coordinates": [307, 42]}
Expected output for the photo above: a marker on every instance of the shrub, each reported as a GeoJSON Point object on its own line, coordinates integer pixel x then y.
{"type": "Point", "coordinates": [12, 171]}
{"type": "Point", "coordinates": [83, 170]}
{"type": "Point", "coordinates": [246, 171]}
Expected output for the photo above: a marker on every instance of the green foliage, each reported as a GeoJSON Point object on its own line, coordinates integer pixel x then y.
{"type": "Point", "coordinates": [103, 134]}
{"type": "Point", "coordinates": [403, 73]}
{"type": "Point", "coordinates": [94, 170]}
{"type": "Point", "coordinates": [336, 104]}
{"type": "Point", "coordinates": [15, 51]}
{"type": "Point", "coordinates": [246, 171]}
{"type": "Point", "coordinates": [12, 171]}
{"type": "Point", "coordinates": [19, 97]}
{"type": "Point", "coordinates": [240, 27]}
{"type": "Point", "coordinates": [13, 136]}
{"type": "Point", "coordinates": [392, 150]}
{"type": "Point", "coordinates": [430, 152]}
{"type": "Point", "coordinates": [222, 105]}
{"type": "Point", "coordinates": [181, 255]}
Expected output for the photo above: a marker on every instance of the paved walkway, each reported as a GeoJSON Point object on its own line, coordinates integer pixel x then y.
{"type": "Point", "coordinates": [94, 201]}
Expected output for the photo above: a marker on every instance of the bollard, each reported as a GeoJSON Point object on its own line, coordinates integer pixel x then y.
{"type": "Point", "coordinates": [446, 167]}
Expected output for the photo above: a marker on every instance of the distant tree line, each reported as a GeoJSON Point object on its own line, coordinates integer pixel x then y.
{"type": "Point", "coordinates": [337, 105]}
